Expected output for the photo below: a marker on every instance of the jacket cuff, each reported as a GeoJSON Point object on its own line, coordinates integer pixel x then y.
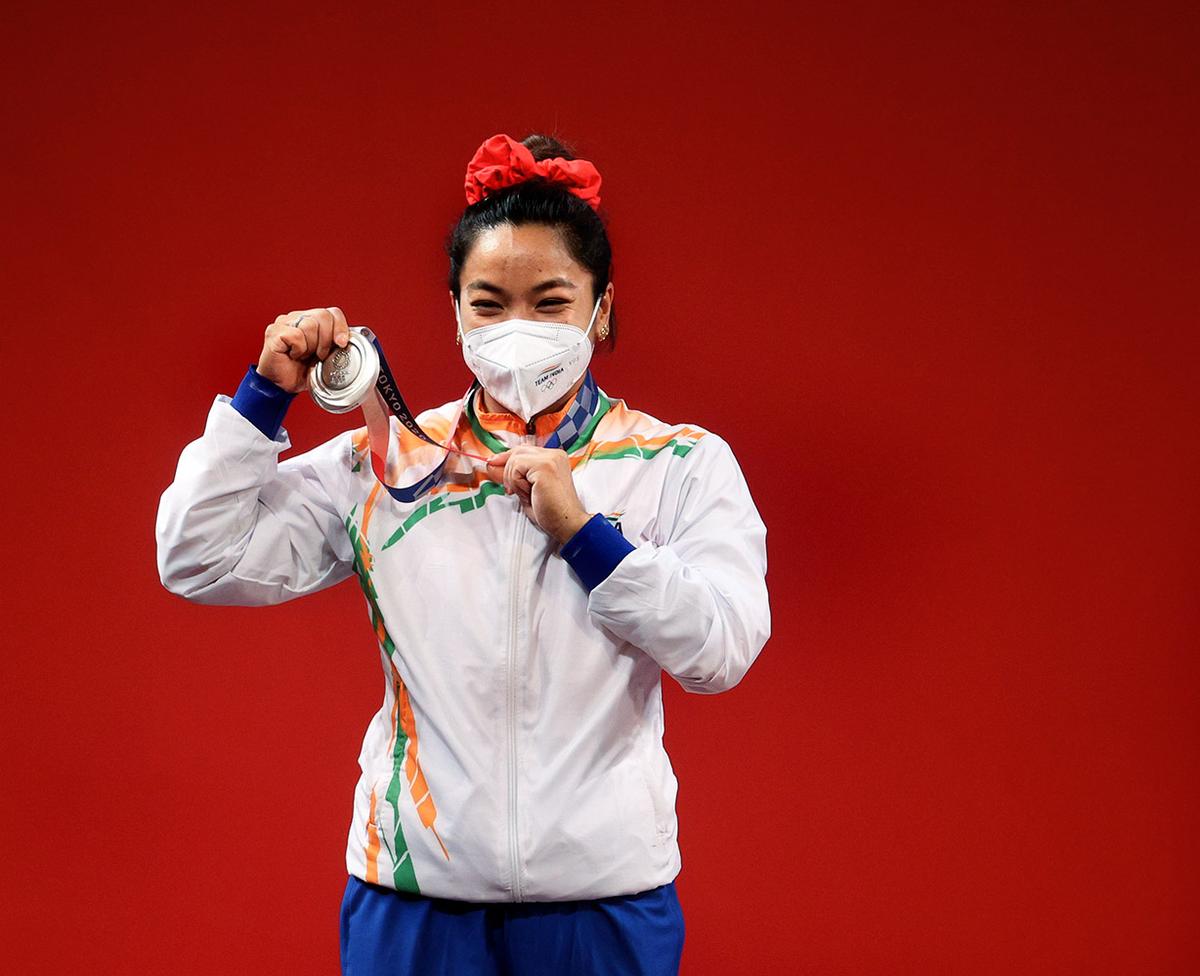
{"type": "Point", "coordinates": [262, 402]}
{"type": "Point", "coordinates": [595, 550]}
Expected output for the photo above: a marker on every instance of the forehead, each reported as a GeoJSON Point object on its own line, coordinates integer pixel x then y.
{"type": "Point", "coordinates": [515, 256]}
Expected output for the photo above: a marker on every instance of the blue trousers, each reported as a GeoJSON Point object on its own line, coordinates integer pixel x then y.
{"type": "Point", "coordinates": [390, 933]}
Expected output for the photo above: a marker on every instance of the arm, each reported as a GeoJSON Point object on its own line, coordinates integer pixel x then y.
{"type": "Point", "coordinates": [697, 601]}
{"type": "Point", "coordinates": [237, 527]}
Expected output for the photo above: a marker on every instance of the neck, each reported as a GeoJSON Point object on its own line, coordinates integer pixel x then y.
{"type": "Point", "coordinates": [492, 406]}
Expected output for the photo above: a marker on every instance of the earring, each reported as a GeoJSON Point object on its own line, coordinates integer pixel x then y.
{"type": "Point", "coordinates": [603, 333]}
{"type": "Point", "coordinates": [458, 338]}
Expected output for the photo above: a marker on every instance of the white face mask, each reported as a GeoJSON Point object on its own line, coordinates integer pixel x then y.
{"type": "Point", "coordinates": [527, 365]}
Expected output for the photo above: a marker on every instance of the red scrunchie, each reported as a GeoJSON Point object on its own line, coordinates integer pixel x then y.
{"type": "Point", "coordinates": [502, 161]}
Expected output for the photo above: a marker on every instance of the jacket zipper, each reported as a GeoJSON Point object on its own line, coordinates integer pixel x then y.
{"type": "Point", "coordinates": [514, 596]}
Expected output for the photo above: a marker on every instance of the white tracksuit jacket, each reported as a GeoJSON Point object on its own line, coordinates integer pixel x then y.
{"type": "Point", "coordinates": [517, 754]}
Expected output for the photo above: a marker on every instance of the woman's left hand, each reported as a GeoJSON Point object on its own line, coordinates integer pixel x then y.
{"type": "Point", "coordinates": [541, 479]}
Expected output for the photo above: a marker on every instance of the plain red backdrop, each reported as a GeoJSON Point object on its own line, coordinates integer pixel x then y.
{"type": "Point", "coordinates": [931, 270]}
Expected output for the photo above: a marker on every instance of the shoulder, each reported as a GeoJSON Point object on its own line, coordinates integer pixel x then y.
{"type": "Point", "coordinates": [625, 431]}
{"type": "Point", "coordinates": [697, 479]}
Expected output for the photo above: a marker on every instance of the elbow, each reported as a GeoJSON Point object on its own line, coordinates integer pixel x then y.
{"type": "Point", "coordinates": [178, 588]}
{"type": "Point", "coordinates": [170, 572]}
{"type": "Point", "coordinates": [172, 569]}
{"type": "Point", "coordinates": [178, 580]}
{"type": "Point", "coordinates": [200, 581]}
{"type": "Point", "coordinates": [209, 587]}
{"type": "Point", "coordinates": [722, 681]}
{"type": "Point", "coordinates": [187, 564]}
{"type": "Point", "coordinates": [728, 676]}
{"type": "Point", "coordinates": [183, 572]}
{"type": "Point", "coordinates": [734, 664]}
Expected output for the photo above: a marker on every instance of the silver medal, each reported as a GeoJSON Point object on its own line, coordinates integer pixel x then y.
{"type": "Point", "coordinates": [346, 376]}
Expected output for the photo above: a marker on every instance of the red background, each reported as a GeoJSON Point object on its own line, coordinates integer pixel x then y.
{"type": "Point", "coordinates": [929, 268]}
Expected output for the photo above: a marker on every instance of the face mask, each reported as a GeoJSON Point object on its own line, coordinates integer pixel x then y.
{"type": "Point", "coordinates": [527, 365]}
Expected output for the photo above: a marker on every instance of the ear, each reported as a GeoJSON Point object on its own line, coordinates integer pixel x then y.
{"type": "Point", "coordinates": [458, 327]}
{"type": "Point", "coordinates": [605, 306]}
{"type": "Point", "coordinates": [602, 316]}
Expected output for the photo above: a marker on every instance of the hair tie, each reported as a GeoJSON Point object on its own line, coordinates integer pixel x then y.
{"type": "Point", "coordinates": [502, 161]}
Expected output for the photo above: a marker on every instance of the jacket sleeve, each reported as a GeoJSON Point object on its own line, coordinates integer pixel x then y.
{"type": "Point", "coordinates": [696, 601]}
{"type": "Point", "coordinates": [238, 527]}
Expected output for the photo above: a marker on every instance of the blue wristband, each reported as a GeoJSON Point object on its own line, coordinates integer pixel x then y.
{"type": "Point", "coordinates": [262, 402]}
{"type": "Point", "coordinates": [595, 550]}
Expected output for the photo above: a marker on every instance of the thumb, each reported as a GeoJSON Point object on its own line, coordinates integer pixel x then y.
{"type": "Point", "coordinates": [495, 466]}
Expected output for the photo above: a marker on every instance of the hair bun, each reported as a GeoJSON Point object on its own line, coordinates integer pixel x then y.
{"type": "Point", "coordinates": [502, 162]}
{"type": "Point", "coordinates": [547, 147]}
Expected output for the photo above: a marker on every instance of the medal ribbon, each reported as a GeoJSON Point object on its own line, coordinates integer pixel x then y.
{"type": "Point", "coordinates": [385, 396]}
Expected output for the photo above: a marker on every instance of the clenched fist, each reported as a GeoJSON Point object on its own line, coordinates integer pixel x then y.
{"type": "Point", "coordinates": [296, 342]}
{"type": "Point", "coordinates": [541, 478]}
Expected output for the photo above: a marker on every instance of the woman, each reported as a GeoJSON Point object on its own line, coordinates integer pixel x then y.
{"type": "Point", "coordinates": [515, 812]}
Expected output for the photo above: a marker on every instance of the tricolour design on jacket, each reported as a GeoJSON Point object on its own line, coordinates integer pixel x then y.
{"type": "Point", "coordinates": [403, 747]}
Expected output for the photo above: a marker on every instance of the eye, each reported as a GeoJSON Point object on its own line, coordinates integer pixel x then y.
{"type": "Point", "coordinates": [551, 302]}
{"type": "Point", "coordinates": [484, 303]}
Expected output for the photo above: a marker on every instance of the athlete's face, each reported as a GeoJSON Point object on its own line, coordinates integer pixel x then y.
{"type": "Point", "coordinates": [526, 272]}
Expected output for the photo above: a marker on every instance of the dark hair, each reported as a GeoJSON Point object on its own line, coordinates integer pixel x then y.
{"type": "Point", "coordinates": [536, 201]}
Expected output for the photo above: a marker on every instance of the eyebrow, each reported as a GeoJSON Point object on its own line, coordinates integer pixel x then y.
{"type": "Point", "coordinates": [481, 285]}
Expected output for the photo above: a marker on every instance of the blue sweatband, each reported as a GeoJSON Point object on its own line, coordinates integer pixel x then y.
{"type": "Point", "coordinates": [262, 402]}
{"type": "Point", "coordinates": [595, 550]}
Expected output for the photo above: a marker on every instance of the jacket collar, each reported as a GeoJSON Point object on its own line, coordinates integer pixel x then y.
{"type": "Point", "coordinates": [569, 428]}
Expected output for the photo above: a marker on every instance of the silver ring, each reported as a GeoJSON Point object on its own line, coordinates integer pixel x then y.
{"type": "Point", "coordinates": [296, 324]}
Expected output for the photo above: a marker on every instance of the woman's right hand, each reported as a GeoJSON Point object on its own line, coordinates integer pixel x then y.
{"type": "Point", "coordinates": [291, 349]}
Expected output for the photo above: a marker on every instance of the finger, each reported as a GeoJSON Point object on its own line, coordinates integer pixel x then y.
{"type": "Point", "coordinates": [510, 479]}
{"type": "Point", "coordinates": [494, 469]}
{"type": "Point", "coordinates": [341, 329]}
{"type": "Point", "coordinates": [518, 477]}
{"type": "Point", "coordinates": [548, 470]}
{"type": "Point", "coordinates": [286, 339]}
{"type": "Point", "coordinates": [305, 323]}
{"type": "Point", "coordinates": [300, 323]}
{"type": "Point", "coordinates": [319, 324]}
{"type": "Point", "coordinates": [510, 467]}
{"type": "Point", "coordinates": [324, 332]}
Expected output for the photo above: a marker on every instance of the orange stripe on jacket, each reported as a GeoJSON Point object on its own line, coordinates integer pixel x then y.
{"type": "Point", "coordinates": [372, 843]}
{"type": "Point", "coordinates": [417, 787]}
